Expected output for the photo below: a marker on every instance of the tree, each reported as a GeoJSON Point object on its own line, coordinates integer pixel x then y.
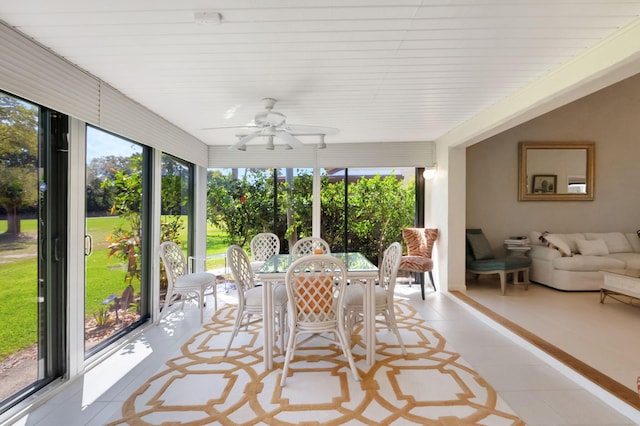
{"type": "Point", "coordinates": [100, 198]}
{"type": "Point", "coordinates": [295, 201]}
{"type": "Point", "coordinates": [18, 157]}
{"type": "Point", "coordinates": [126, 241]}
{"type": "Point", "coordinates": [378, 210]}
{"type": "Point", "coordinates": [240, 206]}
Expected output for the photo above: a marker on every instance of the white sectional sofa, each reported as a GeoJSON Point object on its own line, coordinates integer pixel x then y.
{"type": "Point", "coordinates": [573, 262]}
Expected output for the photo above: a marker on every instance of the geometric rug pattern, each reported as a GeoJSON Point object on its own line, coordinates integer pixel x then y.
{"type": "Point", "coordinates": [431, 385]}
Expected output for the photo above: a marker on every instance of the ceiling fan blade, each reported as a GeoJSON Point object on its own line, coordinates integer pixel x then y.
{"type": "Point", "coordinates": [243, 140]}
{"type": "Point", "coordinates": [288, 138]}
{"type": "Point", "coordinates": [312, 130]}
{"type": "Point", "coordinates": [248, 126]}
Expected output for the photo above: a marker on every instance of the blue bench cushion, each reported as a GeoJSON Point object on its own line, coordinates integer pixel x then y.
{"type": "Point", "coordinates": [504, 264]}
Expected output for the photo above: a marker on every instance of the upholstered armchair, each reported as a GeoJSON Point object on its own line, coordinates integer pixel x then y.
{"type": "Point", "coordinates": [419, 242]}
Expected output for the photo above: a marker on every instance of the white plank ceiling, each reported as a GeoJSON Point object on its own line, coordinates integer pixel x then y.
{"type": "Point", "coordinates": [379, 70]}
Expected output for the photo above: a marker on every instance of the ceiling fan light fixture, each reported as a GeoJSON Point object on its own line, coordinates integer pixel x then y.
{"type": "Point", "coordinates": [272, 124]}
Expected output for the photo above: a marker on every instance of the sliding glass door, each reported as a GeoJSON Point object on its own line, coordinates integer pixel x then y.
{"type": "Point", "coordinates": [33, 203]}
{"type": "Point", "coordinates": [115, 228]}
{"type": "Point", "coordinates": [365, 209]}
{"type": "Point", "coordinates": [362, 209]}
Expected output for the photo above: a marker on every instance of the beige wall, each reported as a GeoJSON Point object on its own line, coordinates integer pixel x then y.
{"type": "Point", "coordinates": [611, 119]}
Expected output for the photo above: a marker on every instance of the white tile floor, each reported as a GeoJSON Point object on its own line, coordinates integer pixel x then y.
{"type": "Point", "coordinates": [536, 390]}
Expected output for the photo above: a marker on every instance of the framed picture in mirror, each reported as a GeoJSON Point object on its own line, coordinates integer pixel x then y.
{"type": "Point", "coordinates": [544, 184]}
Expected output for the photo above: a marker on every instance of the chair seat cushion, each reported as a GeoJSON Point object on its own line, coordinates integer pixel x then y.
{"type": "Point", "coordinates": [256, 265]}
{"type": "Point", "coordinates": [253, 297]}
{"type": "Point", "coordinates": [503, 264]}
{"type": "Point", "coordinates": [195, 280]}
{"type": "Point", "coordinates": [416, 263]}
{"type": "Point", "coordinates": [354, 293]}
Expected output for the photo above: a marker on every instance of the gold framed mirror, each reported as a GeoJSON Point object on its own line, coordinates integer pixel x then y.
{"type": "Point", "coordinates": [560, 171]}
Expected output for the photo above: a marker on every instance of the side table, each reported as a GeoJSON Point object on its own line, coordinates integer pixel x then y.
{"type": "Point", "coordinates": [517, 246]}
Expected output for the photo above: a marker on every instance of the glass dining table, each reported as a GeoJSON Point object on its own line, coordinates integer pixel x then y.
{"type": "Point", "coordinates": [360, 271]}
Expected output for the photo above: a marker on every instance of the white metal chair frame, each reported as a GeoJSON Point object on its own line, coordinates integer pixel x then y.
{"type": "Point", "coordinates": [315, 288]}
{"type": "Point", "coordinates": [384, 292]}
{"type": "Point", "coordinates": [250, 297]}
{"type": "Point", "coordinates": [308, 245]}
{"type": "Point", "coordinates": [183, 283]}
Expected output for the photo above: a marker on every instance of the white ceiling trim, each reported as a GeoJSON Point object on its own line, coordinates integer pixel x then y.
{"type": "Point", "coordinates": [606, 63]}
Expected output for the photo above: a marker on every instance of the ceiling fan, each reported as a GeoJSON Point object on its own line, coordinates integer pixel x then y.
{"type": "Point", "coordinates": [272, 124]}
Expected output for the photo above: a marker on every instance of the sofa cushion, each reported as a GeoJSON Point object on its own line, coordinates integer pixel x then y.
{"type": "Point", "coordinates": [592, 247]}
{"type": "Point", "coordinates": [631, 260]}
{"type": "Point", "coordinates": [587, 263]}
{"type": "Point", "coordinates": [572, 240]}
{"type": "Point", "coordinates": [543, 253]}
{"type": "Point", "coordinates": [534, 238]}
{"type": "Point", "coordinates": [634, 241]}
{"type": "Point", "coordinates": [560, 243]}
{"type": "Point", "coordinates": [615, 241]}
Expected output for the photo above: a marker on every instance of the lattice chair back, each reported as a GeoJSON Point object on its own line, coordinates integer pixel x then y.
{"type": "Point", "coordinates": [238, 262]}
{"type": "Point", "coordinates": [313, 289]}
{"type": "Point", "coordinates": [175, 264]}
{"type": "Point", "coordinates": [311, 245]}
{"type": "Point", "coordinates": [388, 269]}
{"type": "Point", "coordinates": [263, 246]}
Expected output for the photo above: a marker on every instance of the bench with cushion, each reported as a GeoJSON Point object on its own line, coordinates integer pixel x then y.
{"type": "Point", "coordinates": [481, 260]}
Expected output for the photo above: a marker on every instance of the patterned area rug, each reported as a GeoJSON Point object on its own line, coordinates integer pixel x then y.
{"type": "Point", "coordinates": [432, 385]}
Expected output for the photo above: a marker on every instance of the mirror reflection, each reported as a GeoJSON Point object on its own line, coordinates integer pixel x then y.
{"type": "Point", "coordinates": [556, 171]}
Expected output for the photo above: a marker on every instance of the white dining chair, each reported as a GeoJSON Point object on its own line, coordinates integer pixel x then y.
{"type": "Point", "coordinates": [250, 297]}
{"type": "Point", "coordinates": [263, 246]}
{"type": "Point", "coordinates": [181, 282]}
{"type": "Point", "coordinates": [384, 292]}
{"type": "Point", "coordinates": [315, 288]}
{"type": "Point", "coordinates": [311, 245]}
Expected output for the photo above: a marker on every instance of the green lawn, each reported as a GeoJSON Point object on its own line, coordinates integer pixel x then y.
{"type": "Point", "coordinates": [105, 277]}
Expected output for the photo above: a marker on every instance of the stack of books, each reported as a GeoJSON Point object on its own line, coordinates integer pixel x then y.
{"type": "Point", "coordinates": [518, 244]}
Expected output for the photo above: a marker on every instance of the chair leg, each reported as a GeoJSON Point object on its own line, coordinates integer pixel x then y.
{"type": "Point", "coordinates": [282, 326]}
{"type": "Point", "coordinates": [288, 355]}
{"type": "Point", "coordinates": [422, 284]}
{"type": "Point", "coordinates": [391, 321]}
{"type": "Point", "coordinates": [503, 282]}
{"type": "Point", "coordinates": [215, 296]}
{"type": "Point", "coordinates": [340, 334]}
{"type": "Point", "coordinates": [433, 283]}
{"type": "Point", "coordinates": [236, 328]}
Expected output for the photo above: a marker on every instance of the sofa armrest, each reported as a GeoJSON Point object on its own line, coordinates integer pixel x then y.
{"type": "Point", "coordinates": [543, 252]}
